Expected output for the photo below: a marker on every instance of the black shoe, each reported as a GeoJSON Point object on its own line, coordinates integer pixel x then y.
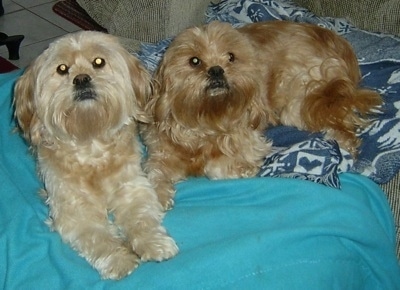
{"type": "Point", "coordinates": [12, 42]}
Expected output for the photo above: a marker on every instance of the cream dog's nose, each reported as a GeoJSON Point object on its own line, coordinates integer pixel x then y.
{"type": "Point", "coordinates": [81, 79]}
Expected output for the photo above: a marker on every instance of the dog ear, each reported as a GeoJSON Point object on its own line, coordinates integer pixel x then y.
{"type": "Point", "coordinates": [25, 108]}
{"type": "Point", "coordinates": [160, 104]}
{"type": "Point", "coordinates": [142, 87]}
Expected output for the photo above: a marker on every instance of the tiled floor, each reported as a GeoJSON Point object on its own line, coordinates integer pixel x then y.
{"type": "Point", "coordinates": [36, 20]}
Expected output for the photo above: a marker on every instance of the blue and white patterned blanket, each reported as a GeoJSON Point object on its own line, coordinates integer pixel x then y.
{"type": "Point", "coordinates": [303, 155]}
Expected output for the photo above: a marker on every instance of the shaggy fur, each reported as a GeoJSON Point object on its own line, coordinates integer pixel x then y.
{"type": "Point", "coordinates": [217, 88]}
{"type": "Point", "coordinates": [312, 80]}
{"type": "Point", "coordinates": [78, 105]}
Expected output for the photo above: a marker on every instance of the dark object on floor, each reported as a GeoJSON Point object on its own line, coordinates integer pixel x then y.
{"type": "Point", "coordinates": [1, 8]}
{"type": "Point", "coordinates": [6, 66]}
{"type": "Point", "coordinates": [12, 42]}
{"type": "Point", "coordinates": [70, 10]}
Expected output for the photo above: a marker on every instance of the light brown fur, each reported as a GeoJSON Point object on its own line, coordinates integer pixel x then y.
{"type": "Point", "coordinates": [197, 131]}
{"type": "Point", "coordinates": [312, 78]}
{"type": "Point", "coordinates": [88, 152]}
{"type": "Point", "coordinates": [271, 73]}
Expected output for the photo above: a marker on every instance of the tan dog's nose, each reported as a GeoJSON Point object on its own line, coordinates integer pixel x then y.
{"type": "Point", "coordinates": [216, 71]}
{"type": "Point", "coordinates": [216, 77]}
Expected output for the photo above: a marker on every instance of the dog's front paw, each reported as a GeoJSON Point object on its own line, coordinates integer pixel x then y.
{"type": "Point", "coordinates": [117, 265]}
{"type": "Point", "coordinates": [165, 194]}
{"type": "Point", "coordinates": [248, 171]}
{"type": "Point", "coordinates": [226, 168]}
{"type": "Point", "coordinates": [158, 247]}
{"type": "Point", "coordinates": [167, 202]}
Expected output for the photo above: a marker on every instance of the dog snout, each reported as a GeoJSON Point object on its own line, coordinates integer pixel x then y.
{"type": "Point", "coordinates": [83, 88]}
{"type": "Point", "coordinates": [82, 79]}
{"type": "Point", "coordinates": [216, 72]}
{"type": "Point", "coordinates": [216, 78]}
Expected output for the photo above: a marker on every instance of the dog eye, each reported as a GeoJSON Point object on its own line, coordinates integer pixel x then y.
{"type": "Point", "coordinates": [98, 62]}
{"type": "Point", "coordinates": [195, 61]}
{"type": "Point", "coordinates": [62, 69]}
{"type": "Point", "coordinates": [231, 57]}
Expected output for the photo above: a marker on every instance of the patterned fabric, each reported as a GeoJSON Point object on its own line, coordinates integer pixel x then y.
{"type": "Point", "coordinates": [308, 156]}
{"type": "Point", "coordinates": [303, 155]}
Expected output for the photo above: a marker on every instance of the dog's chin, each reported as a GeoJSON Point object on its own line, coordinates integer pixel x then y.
{"type": "Point", "coordinates": [85, 116]}
{"type": "Point", "coordinates": [215, 109]}
{"type": "Point", "coordinates": [217, 87]}
{"type": "Point", "coordinates": [217, 92]}
{"type": "Point", "coordinates": [87, 123]}
{"type": "Point", "coordinates": [85, 95]}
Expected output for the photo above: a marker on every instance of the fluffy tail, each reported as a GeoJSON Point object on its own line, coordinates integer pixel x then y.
{"type": "Point", "coordinates": [340, 109]}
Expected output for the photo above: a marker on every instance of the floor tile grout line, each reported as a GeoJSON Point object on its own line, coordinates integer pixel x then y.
{"type": "Point", "coordinates": [48, 21]}
{"type": "Point", "coordinates": [30, 50]}
{"type": "Point", "coordinates": [41, 17]}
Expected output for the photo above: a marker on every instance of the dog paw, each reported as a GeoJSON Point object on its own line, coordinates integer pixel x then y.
{"type": "Point", "coordinates": [167, 203]}
{"type": "Point", "coordinates": [117, 265]}
{"type": "Point", "coordinates": [249, 171]}
{"type": "Point", "coordinates": [231, 169]}
{"type": "Point", "coordinates": [160, 247]}
{"type": "Point", "coordinates": [166, 194]}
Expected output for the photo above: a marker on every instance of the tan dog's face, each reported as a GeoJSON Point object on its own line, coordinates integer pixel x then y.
{"type": "Point", "coordinates": [84, 85]}
{"type": "Point", "coordinates": [207, 78]}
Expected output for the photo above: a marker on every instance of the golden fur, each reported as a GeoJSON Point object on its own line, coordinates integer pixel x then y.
{"type": "Point", "coordinates": [217, 88]}
{"type": "Point", "coordinates": [78, 105]}
{"type": "Point", "coordinates": [312, 80]}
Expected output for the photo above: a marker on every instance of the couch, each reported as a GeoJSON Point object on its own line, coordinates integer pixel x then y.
{"type": "Point", "coordinates": [327, 229]}
{"type": "Point", "coordinates": [382, 16]}
{"type": "Point", "coordinates": [151, 21]}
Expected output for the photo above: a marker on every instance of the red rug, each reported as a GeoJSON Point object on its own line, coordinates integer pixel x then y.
{"type": "Point", "coordinates": [6, 66]}
{"type": "Point", "coordinates": [70, 10]}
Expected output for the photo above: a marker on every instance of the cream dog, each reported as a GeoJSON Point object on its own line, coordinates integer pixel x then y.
{"type": "Point", "coordinates": [78, 105]}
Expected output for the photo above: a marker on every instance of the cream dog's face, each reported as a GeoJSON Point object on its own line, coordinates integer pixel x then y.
{"type": "Point", "coordinates": [84, 85]}
{"type": "Point", "coordinates": [207, 78]}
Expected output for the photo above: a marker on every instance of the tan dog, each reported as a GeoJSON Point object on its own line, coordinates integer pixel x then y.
{"type": "Point", "coordinates": [78, 104]}
{"type": "Point", "coordinates": [312, 80]}
{"type": "Point", "coordinates": [217, 88]}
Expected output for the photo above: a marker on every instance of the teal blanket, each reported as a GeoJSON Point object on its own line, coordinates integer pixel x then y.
{"type": "Point", "coordinates": [259, 233]}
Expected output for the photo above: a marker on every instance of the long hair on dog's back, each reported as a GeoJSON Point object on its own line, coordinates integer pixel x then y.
{"type": "Point", "coordinates": [312, 77]}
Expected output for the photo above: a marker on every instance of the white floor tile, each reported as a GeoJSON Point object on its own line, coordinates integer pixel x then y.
{"type": "Point", "coordinates": [10, 6]}
{"type": "Point", "coordinates": [31, 3]}
{"type": "Point", "coordinates": [36, 20]}
{"type": "Point", "coordinates": [32, 26]}
{"type": "Point", "coordinates": [28, 53]}
{"type": "Point", "coordinates": [46, 12]}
